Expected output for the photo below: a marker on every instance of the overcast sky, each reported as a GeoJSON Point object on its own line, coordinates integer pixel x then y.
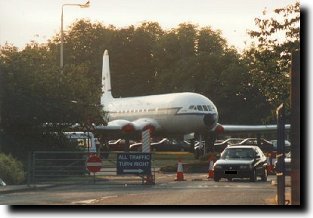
{"type": "Point", "coordinates": [22, 21]}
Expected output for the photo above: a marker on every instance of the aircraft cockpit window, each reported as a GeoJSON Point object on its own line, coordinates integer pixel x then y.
{"type": "Point", "coordinates": [191, 107]}
{"type": "Point", "coordinates": [199, 107]}
{"type": "Point", "coordinates": [209, 107]}
{"type": "Point", "coordinates": [205, 107]}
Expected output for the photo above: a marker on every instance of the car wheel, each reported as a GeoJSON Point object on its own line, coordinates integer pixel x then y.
{"type": "Point", "coordinates": [253, 176]}
{"type": "Point", "coordinates": [216, 179]}
{"type": "Point", "coordinates": [264, 176]}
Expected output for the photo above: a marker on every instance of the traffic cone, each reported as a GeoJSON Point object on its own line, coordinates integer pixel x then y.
{"type": "Point", "coordinates": [211, 172]}
{"type": "Point", "coordinates": [270, 167]}
{"type": "Point", "coordinates": [180, 172]}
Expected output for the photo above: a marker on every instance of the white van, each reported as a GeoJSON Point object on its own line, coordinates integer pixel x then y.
{"type": "Point", "coordinates": [85, 140]}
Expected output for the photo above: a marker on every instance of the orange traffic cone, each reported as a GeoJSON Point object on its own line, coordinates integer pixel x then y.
{"type": "Point", "coordinates": [180, 172]}
{"type": "Point", "coordinates": [270, 167]}
{"type": "Point", "coordinates": [211, 172]}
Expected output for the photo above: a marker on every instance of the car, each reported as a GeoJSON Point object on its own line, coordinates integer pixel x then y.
{"type": "Point", "coordinates": [118, 145]}
{"type": "Point", "coordinates": [2, 183]}
{"type": "Point", "coordinates": [287, 145]}
{"type": "Point", "coordinates": [219, 146]}
{"type": "Point", "coordinates": [241, 161]}
{"type": "Point", "coordinates": [164, 144]}
{"type": "Point", "coordinates": [287, 164]}
{"type": "Point", "coordinates": [265, 146]}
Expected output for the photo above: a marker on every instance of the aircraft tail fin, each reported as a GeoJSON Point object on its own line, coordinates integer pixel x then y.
{"type": "Point", "coordinates": [106, 79]}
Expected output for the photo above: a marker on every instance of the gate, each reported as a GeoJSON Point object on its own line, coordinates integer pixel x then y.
{"type": "Point", "coordinates": [68, 167]}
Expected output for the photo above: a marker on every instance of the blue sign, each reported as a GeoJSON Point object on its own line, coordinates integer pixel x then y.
{"type": "Point", "coordinates": [133, 163]}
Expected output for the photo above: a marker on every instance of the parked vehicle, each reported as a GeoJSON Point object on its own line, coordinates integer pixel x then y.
{"type": "Point", "coordinates": [2, 183]}
{"type": "Point", "coordinates": [118, 145]}
{"type": "Point", "coordinates": [85, 141]}
{"type": "Point", "coordinates": [219, 146]}
{"type": "Point", "coordinates": [163, 145]}
{"type": "Point", "coordinates": [287, 145]}
{"type": "Point", "coordinates": [265, 146]}
{"type": "Point", "coordinates": [241, 161]}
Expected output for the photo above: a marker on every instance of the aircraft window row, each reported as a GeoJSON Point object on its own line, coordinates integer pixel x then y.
{"type": "Point", "coordinates": [137, 110]}
{"type": "Point", "coordinates": [201, 107]}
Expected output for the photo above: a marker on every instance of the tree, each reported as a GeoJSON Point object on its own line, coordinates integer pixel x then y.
{"type": "Point", "coordinates": [269, 59]}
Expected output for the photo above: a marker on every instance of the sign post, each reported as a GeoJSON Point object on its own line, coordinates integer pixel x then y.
{"type": "Point", "coordinates": [280, 156]}
{"type": "Point", "coordinates": [146, 141]}
{"type": "Point", "coordinates": [94, 164]}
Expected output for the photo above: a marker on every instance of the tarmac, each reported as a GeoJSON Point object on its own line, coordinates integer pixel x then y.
{"type": "Point", "coordinates": [20, 188]}
{"type": "Point", "coordinates": [7, 189]}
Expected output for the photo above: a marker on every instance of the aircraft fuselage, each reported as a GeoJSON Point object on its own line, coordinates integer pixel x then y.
{"type": "Point", "coordinates": [179, 113]}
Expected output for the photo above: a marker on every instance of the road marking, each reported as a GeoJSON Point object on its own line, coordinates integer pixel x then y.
{"type": "Point", "coordinates": [92, 201]}
{"type": "Point", "coordinates": [136, 194]}
{"type": "Point", "coordinates": [110, 196]}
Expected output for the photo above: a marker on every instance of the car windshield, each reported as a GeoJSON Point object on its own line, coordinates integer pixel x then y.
{"type": "Point", "coordinates": [238, 153]}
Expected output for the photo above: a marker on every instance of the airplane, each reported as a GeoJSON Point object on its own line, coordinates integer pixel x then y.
{"type": "Point", "coordinates": [166, 115]}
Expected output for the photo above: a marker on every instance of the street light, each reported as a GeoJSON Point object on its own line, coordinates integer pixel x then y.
{"type": "Point", "coordinates": [86, 5]}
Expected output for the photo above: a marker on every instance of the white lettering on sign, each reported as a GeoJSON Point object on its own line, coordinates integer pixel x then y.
{"type": "Point", "coordinates": [141, 164]}
{"type": "Point", "coordinates": [139, 157]}
{"type": "Point", "coordinates": [126, 164]}
{"type": "Point", "coordinates": [123, 157]}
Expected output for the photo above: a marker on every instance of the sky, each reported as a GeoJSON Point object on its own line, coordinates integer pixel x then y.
{"type": "Point", "coordinates": [39, 20]}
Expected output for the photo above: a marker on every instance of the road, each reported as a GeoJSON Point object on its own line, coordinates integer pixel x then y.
{"type": "Point", "coordinates": [197, 190]}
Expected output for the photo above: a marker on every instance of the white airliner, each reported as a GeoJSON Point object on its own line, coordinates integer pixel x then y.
{"type": "Point", "coordinates": [169, 114]}
{"type": "Point", "coordinates": [175, 114]}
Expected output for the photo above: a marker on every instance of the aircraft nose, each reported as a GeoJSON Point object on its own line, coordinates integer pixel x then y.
{"type": "Point", "coordinates": [209, 119]}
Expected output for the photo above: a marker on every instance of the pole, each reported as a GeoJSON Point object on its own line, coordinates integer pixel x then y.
{"type": "Point", "coordinates": [280, 156]}
{"type": "Point", "coordinates": [86, 5]}
{"type": "Point", "coordinates": [61, 47]}
{"type": "Point", "coordinates": [295, 129]}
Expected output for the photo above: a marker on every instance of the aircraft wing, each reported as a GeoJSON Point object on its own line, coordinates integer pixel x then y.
{"type": "Point", "coordinates": [249, 128]}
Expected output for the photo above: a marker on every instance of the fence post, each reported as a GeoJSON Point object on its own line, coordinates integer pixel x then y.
{"type": "Point", "coordinates": [33, 166]}
{"type": "Point", "coordinates": [29, 169]}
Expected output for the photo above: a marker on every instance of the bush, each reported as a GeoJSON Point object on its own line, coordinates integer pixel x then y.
{"type": "Point", "coordinates": [11, 170]}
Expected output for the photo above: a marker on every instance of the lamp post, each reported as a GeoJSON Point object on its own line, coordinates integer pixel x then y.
{"type": "Point", "coordinates": [86, 5]}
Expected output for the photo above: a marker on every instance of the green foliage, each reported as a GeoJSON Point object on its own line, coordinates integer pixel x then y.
{"type": "Point", "coordinates": [144, 60]}
{"type": "Point", "coordinates": [269, 60]}
{"type": "Point", "coordinates": [11, 170]}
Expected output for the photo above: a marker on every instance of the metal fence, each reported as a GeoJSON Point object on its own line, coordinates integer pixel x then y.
{"type": "Point", "coordinates": [68, 167]}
